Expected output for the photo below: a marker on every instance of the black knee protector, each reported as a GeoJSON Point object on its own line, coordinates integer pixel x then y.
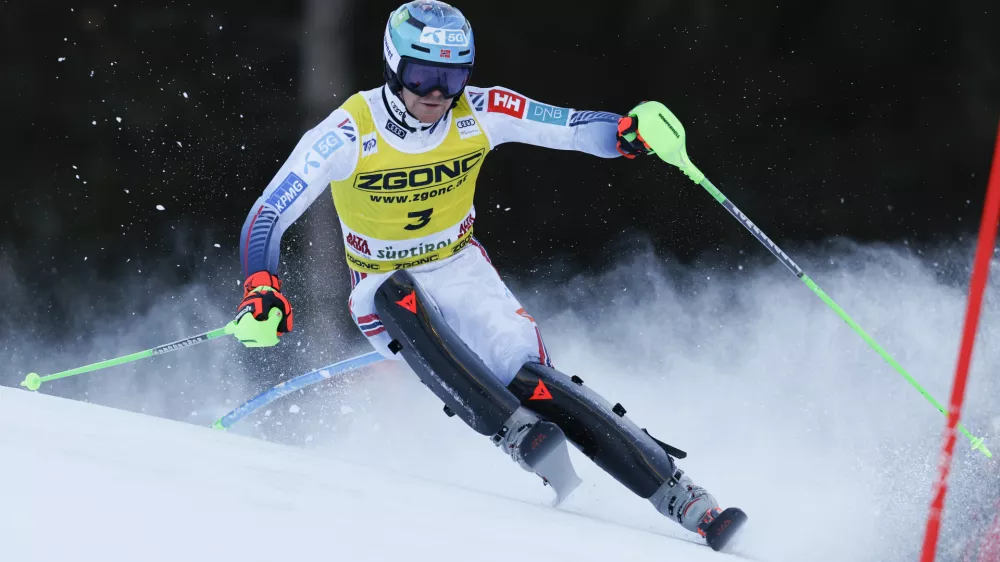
{"type": "Point", "coordinates": [600, 430]}
{"type": "Point", "coordinates": [440, 358]}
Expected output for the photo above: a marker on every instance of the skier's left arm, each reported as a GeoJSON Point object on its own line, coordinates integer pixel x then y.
{"type": "Point", "coordinates": [507, 116]}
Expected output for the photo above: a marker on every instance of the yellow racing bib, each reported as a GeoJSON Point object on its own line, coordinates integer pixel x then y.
{"type": "Point", "coordinates": [400, 209]}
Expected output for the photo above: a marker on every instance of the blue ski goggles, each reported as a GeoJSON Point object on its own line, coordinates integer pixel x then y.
{"type": "Point", "coordinates": [423, 77]}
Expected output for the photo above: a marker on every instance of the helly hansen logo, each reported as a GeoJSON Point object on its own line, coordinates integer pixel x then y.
{"type": "Point", "coordinates": [420, 177]}
{"type": "Point", "coordinates": [359, 244]}
{"type": "Point", "coordinates": [507, 102]}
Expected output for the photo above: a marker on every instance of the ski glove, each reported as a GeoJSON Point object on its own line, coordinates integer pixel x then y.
{"type": "Point", "coordinates": [630, 142]}
{"type": "Point", "coordinates": [264, 313]}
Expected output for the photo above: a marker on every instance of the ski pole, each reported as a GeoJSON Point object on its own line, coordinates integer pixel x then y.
{"type": "Point", "coordinates": [664, 133]}
{"type": "Point", "coordinates": [291, 385]}
{"type": "Point", "coordinates": [33, 381]}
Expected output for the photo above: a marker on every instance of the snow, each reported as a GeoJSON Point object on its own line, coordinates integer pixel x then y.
{"type": "Point", "coordinates": [90, 483]}
{"type": "Point", "coordinates": [783, 409]}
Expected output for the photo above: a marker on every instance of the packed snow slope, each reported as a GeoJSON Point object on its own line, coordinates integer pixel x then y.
{"type": "Point", "coordinates": [783, 409]}
{"type": "Point", "coordinates": [88, 483]}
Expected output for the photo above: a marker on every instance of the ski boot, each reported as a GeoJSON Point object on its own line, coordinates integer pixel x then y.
{"type": "Point", "coordinates": [539, 446]}
{"type": "Point", "coordinates": [696, 510]}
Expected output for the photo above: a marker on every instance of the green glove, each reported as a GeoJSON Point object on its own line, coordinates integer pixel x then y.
{"type": "Point", "coordinates": [264, 313]}
{"type": "Point", "coordinates": [257, 333]}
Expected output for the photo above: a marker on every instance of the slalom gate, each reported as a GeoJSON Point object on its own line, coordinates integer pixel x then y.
{"type": "Point", "coordinates": [980, 274]}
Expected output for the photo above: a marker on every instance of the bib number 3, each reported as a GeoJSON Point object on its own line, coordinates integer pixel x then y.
{"type": "Point", "coordinates": [423, 217]}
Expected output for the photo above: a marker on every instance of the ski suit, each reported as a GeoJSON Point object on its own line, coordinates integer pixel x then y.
{"type": "Point", "coordinates": [404, 196]}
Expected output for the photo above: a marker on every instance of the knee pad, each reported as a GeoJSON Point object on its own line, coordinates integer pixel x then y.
{"type": "Point", "coordinates": [440, 358]}
{"type": "Point", "coordinates": [601, 431]}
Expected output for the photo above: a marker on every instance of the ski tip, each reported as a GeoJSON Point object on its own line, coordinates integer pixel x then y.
{"type": "Point", "coordinates": [725, 526]}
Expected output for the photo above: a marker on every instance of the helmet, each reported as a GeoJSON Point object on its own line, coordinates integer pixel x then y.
{"type": "Point", "coordinates": [428, 46]}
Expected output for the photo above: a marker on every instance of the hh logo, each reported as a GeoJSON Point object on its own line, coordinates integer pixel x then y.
{"type": "Point", "coordinates": [507, 102]}
{"type": "Point", "coordinates": [446, 53]}
{"type": "Point", "coordinates": [358, 243]}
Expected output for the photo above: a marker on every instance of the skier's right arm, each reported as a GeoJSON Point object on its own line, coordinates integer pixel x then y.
{"type": "Point", "coordinates": [326, 153]}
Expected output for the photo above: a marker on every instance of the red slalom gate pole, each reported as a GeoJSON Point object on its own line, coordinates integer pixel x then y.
{"type": "Point", "coordinates": [980, 273]}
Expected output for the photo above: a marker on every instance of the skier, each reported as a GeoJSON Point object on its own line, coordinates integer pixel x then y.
{"type": "Point", "coordinates": [402, 161]}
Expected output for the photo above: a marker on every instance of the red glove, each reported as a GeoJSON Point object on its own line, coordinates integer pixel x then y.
{"type": "Point", "coordinates": [630, 142]}
{"type": "Point", "coordinates": [261, 293]}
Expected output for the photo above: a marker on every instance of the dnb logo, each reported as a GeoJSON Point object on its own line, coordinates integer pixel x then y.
{"type": "Point", "coordinates": [287, 192]}
{"type": "Point", "coordinates": [420, 177]}
{"type": "Point", "coordinates": [547, 113]}
{"type": "Point", "coordinates": [507, 102]}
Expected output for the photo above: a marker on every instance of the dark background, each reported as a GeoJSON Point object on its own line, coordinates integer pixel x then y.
{"type": "Point", "coordinates": [864, 120]}
{"type": "Point", "coordinates": [870, 120]}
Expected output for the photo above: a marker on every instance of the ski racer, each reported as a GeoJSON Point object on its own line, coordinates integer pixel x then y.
{"type": "Point", "coordinates": [401, 161]}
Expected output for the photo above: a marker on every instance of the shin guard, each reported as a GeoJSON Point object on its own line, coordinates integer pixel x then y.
{"type": "Point", "coordinates": [600, 430]}
{"type": "Point", "coordinates": [444, 363]}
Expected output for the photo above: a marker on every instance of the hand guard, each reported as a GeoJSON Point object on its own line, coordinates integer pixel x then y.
{"type": "Point", "coordinates": [264, 313]}
{"type": "Point", "coordinates": [630, 142]}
